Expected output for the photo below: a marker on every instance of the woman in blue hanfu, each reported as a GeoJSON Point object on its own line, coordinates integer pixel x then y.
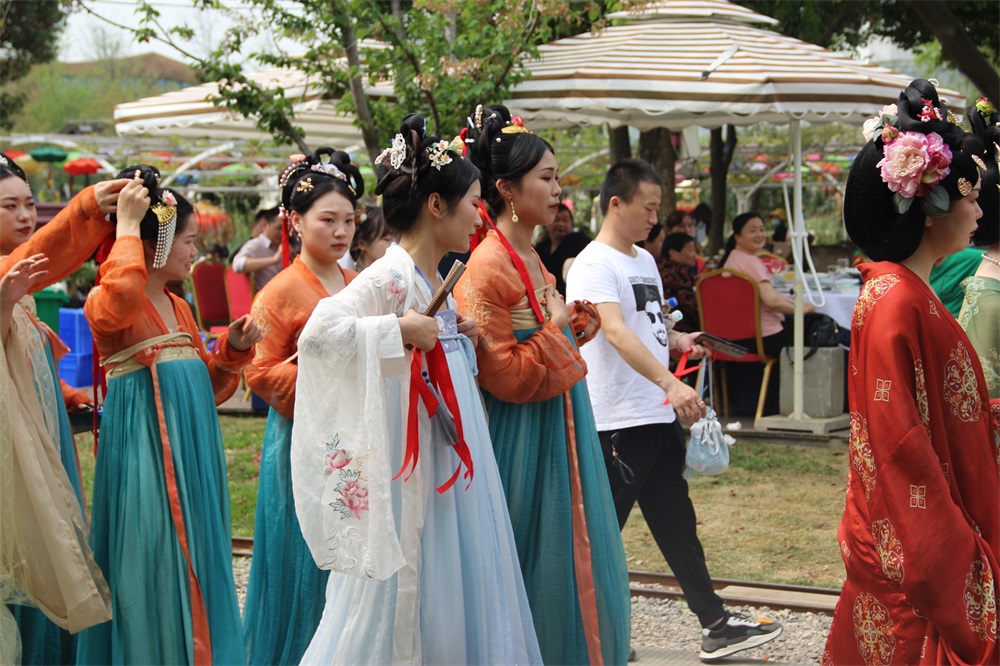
{"type": "Point", "coordinates": [395, 483]}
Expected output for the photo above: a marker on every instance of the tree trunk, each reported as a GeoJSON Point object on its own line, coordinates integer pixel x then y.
{"type": "Point", "coordinates": [722, 150]}
{"type": "Point", "coordinates": [957, 45]}
{"type": "Point", "coordinates": [656, 148]}
{"type": "Point", "coordinates": [620, 145]}
{"type": "Point", "coordinates": [364, 113]}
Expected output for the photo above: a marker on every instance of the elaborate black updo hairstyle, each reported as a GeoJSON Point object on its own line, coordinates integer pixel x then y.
{"type": "Point", "coordinates": [10, 169]}
{"type": "Point", "coordinates": [986, 126]}
{"type": "Point", "coordinates": [739, 222]}
{"type": "Point", "coordinates": [415, 167]}
{"type": "Point", "coordinates": [501, 151]}
{"type": "Point", "coordinates": [150, 226]}
{"type": "Point", "coordinates": [326, 170]}
{"type": "Point", "coordinates": [871, 214]}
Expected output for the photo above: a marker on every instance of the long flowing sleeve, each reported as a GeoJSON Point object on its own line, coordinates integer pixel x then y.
{"type": "Point", "coordinates": [117, 302]}
{"type": "Point", "coordinates": [270, 375]}
{"type": "Point", "coordinates": [68, 240]}
{"type": "Point", "coordinates": [911, 490]}
{"type": "Point", "coordinates": [348, 349]}
{"type": "Point", "coordinates": [542, 367]}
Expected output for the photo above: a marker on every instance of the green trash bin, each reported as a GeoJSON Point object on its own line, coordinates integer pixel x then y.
{"type": "Point", "coordinates": [48, 302]}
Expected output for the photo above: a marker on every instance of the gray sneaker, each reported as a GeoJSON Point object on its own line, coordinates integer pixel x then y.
{"type": "Point", "coordinates": [738, 633]}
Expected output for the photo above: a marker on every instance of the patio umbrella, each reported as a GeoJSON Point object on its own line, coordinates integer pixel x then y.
{"type": "Point", "coordinates": [677, 63]}
{"type": "Point", "coordinates": [29, 165]}
{"type": "Point", "coordinates": [82, 166]}
{"type": "Point", "coordinates": [15, 154]}
{"type": "Point", "coordinates": [51, 155]}
{"type": "Point", "coordinates": [189, 113]}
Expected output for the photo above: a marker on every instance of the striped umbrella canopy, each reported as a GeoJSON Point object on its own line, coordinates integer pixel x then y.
{"type": "Point", "coordinates": [678, 63]}
{"type": "Point", "coordinates": [190, 113]}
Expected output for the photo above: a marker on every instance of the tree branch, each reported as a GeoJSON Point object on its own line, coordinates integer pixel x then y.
{"type": "Point", "coordinates": [958, 46]}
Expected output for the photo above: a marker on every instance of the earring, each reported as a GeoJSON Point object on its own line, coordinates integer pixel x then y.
{"type": "Point", "coordinates": [514, 218]}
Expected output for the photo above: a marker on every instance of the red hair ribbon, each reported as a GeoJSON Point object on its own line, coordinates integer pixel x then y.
{"type": "Point", "coordinates": [286, 245]}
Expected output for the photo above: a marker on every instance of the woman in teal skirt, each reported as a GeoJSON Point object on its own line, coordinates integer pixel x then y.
{"type": "Point", "coordinates": [541, 423]}
{"type": "Point", "coordinates": [160, 526]}
{"type": "Point", "coordinates": [287, 591]}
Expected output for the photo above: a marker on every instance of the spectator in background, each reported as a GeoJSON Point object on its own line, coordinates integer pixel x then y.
{"type": "Point", "coordinates": [681, 221]}
{"type": "Point", "coordinates": [562, 243]}
{"type": "Point", "coordinates": [261, 256]}
{"type": "Point", "coordinates": [702, 215]}
{"type": "Point", "coordinates": [679, 271]}
{"type": "Point", "coordinates": [779, 232]}
{"type": "Point", "coordinates": [654, 241]}
{"type": "Point", "coordinates": [747, 239]}
{"type": "Point", "coordinates": [372, 238]}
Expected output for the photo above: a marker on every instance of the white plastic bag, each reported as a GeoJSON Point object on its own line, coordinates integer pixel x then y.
{"type": "Point", "coordinates": [708, 449]}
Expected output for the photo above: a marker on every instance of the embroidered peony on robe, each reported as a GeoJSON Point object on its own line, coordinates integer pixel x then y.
{"type": "Point", "coordinates": [920, 533]}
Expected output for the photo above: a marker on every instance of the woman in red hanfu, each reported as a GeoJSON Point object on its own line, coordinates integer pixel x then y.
{"type": "Point", "coordinates": [920, 534]}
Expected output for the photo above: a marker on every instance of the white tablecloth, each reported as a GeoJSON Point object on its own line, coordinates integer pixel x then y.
{"type": "Point", "coordinates": [840, 307]}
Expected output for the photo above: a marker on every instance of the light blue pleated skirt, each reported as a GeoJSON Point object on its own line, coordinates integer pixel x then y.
{"type": "Point", "coordinates": [472, 605]}
{"type": "Point", "coordinates": [132, 532]}
{"type": "Point", "coordinates": [287, 591]}
{"type": "Point", "coordinates": [530, 444]}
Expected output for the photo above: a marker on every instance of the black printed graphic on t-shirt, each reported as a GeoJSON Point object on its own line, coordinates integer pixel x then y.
{"type": "Point", "coordinates": [647, 299]}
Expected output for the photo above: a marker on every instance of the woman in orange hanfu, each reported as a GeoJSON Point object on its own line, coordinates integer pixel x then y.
{"type": "Point", "coordinates": [541, 422]}
{"type": "Point", "coordinates": [920, 534]}
{"type": "Point", "coordinates": [33, 348]}
{"type": "Point", "coordinates": [287, 591]}
{"type": "Point", "coordinates": [160, 526]}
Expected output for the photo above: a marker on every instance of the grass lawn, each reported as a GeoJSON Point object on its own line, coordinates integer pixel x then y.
{"type": "Point", "coordinates": [772, 516]}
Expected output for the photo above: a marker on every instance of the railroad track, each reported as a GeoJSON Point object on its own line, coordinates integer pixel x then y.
{"type": "Point", "coordinates": [776, 596]}
{"type": "Point", "coordinates": [664, 586]}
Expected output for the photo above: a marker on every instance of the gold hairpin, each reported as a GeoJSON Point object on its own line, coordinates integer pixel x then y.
{"type": "Point", "coordinates": [964, 187]}
{"type": "Point", "coordinates": [479, 118]}
{"type": "Point", "coordinates": [515, 129]}
{"type": "Point", "coordinates": [979, 162]}
{"type": "Point", "coordinates": [304, 185]}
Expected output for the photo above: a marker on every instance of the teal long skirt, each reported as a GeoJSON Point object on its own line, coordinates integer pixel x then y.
{"type": "Point", "coordinates": [132, 532]}
{"type": "Point", "coordinates": [42, 641]}
{"type": "Point", "coordinates": [287, 591]}
{"type": "Point", "coordinates": [530, 444]}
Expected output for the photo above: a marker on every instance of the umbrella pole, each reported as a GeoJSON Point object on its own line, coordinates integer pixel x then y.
{"type": "Point", "coordinates": [798, 240]}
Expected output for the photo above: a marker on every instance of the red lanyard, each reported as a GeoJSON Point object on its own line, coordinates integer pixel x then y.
{"type": "Point", "coordinates": [522, 270]}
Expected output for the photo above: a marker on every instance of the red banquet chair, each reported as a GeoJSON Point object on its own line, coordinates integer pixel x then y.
{"type": "Point", "coordinates": [239, 295]}
{"type": "Point", "coordinates": [211, 307]}
{"type": "Point", "coordinates": [729, 307]}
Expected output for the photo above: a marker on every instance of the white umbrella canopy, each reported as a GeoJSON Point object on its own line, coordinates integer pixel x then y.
{"type": "Point", "coordinates": [190, 113]}
{"type": "Point", "coordinates": [678, 63]}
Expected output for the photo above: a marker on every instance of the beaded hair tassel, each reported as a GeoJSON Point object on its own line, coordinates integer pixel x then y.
{"type": "Point", "coordinates": [166, 214]}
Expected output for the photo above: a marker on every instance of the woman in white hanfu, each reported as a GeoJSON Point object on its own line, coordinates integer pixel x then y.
{"type": "Point", "coordinates": [406, 509]}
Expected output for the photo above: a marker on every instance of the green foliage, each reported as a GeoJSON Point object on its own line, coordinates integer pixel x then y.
{"type": "Point", "coordinates": [851, 23]}
{"type": "Point", "coordinates": [441, 57]}
{"type": "Point", "coordinates": [53, 97]}
{"type": "Point", "coordinates": [29, 35]}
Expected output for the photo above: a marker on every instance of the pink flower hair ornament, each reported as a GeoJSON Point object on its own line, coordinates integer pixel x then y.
{"type": "Point", "coordinates": [914, 163]}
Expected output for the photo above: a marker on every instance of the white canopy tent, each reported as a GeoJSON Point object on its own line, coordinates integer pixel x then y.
{"type": "Point", "coordinates": [678, 63]}
{"type": "Point", "coordinates": [190, 113]}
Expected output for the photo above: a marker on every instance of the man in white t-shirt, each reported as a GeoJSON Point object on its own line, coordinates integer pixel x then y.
{"type": "Point", "coordinates": [637, 400]}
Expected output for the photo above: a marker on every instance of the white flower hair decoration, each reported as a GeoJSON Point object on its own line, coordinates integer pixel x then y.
{"type": "Point", "coordinates": [396, 152]}
{"type": "Point", "coordinates": [438, 152]}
